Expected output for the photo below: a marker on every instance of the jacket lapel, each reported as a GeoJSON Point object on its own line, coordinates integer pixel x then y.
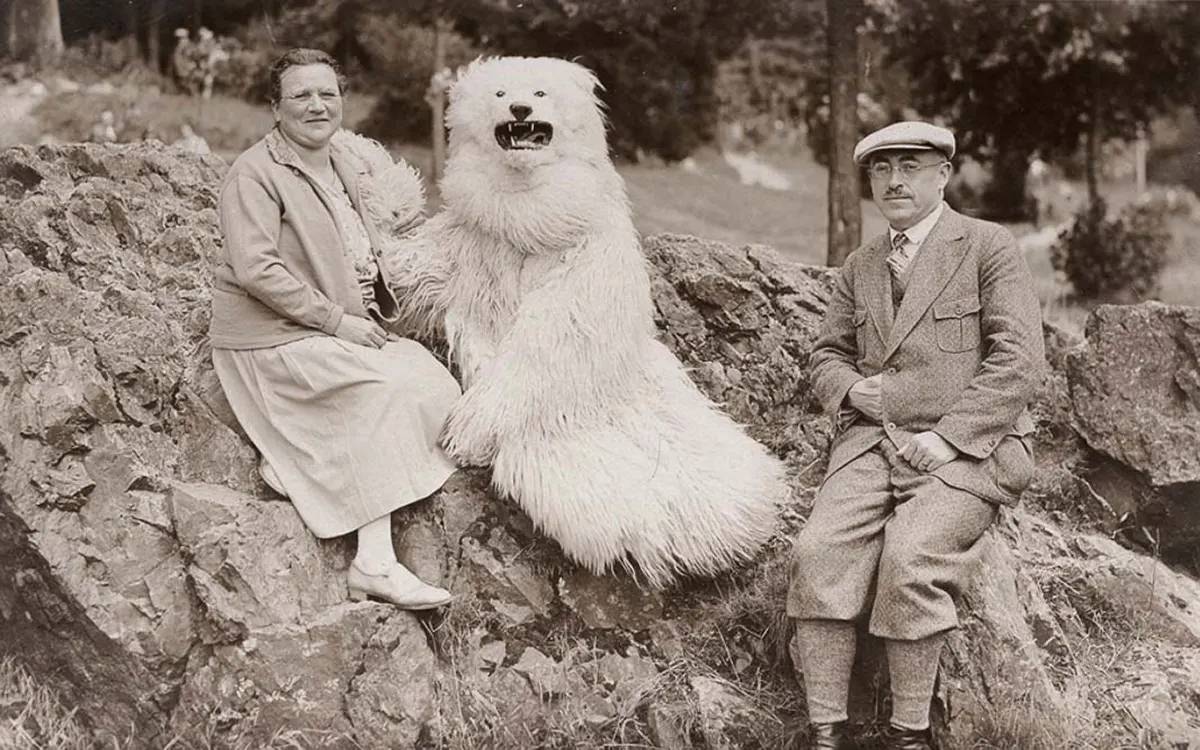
{"type": "Point", "coordinates": [351, 170]}
{"type": "Point", "coordinates": [284, 154]}
{"type": "Point", "coordinates": [936, 262]}
{"type": "Point", "coordinates": [877, 286]}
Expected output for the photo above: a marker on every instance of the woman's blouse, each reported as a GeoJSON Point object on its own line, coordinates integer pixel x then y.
{"type": "Point", "coordinates": [356, 240]}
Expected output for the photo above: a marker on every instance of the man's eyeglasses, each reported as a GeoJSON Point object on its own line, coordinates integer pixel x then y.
{"type": "Point", "coordinates": [881, 170]}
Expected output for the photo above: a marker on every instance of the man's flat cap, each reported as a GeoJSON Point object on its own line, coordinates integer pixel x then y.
{"type": "Point", "coordinates": [911, 134]}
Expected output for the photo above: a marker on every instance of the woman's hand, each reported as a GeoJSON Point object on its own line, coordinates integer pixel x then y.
{"type": "Point", "coordinates": [361, 331]}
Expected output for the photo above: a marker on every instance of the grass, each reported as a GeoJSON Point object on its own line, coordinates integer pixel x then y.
{"type": "Point", "coordinates": [32, 717]}
{"type": "Point", "coordinates": [734, 633]}
{"type": "Point", "coordinates": [710, 202]}
{"type": "Point", "coordinates": [229, 125]}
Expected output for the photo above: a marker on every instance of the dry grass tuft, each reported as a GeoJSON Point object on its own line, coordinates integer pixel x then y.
{"type": "Point", "coordinates": [31, 715]}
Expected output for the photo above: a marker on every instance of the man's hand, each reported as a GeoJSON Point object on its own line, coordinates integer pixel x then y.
{"type": "Point", "coordinates": [867, 396]}
{"type": "Point", "coordinates": [927, 451]}
{"type": "Point", "coordinates": [361, 331]}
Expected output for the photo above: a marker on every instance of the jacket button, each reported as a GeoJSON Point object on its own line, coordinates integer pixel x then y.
{"type": "Point", "coordinates": [891, 425]}
{"type": "Point", "coordinates": [891, 371]}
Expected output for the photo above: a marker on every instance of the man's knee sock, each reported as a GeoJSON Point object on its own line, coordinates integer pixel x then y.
{"type": "Point", "coordinates": [913, 667]}
{"type": "Point", "coordinates": [826, 656]}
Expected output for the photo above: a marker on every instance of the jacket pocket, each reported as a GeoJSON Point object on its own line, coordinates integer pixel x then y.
{"type": "Point", "coordinates": [1012, 464]}
{"type": "Point", "coordinates": [956, 323]}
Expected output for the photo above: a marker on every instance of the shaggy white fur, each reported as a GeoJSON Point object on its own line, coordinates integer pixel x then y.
{"type": "Point", "coordinates": [534, 274]}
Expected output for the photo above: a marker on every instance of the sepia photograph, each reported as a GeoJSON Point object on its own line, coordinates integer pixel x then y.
{"type": "Point", "coordinates": [600, 374]}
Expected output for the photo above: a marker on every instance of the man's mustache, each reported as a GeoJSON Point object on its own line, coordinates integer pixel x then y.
{"type": "Point", "coordinates": [896, 194]}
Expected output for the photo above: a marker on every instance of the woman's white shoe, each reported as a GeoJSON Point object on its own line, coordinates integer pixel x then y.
{"type": "Point", "coordinates": [398, 586]}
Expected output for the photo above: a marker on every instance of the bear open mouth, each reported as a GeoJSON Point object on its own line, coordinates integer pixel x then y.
{"type": "Point", "coordinates": [524, 134]}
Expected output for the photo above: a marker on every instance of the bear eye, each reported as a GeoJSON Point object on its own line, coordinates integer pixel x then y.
{"type": "Point", "coordinates": [539, 93]}
{"type": "Point", "coordinates": [499, 94]}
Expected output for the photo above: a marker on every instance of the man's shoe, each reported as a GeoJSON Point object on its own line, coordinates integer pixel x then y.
{"type": "Point", "coordinates": [831, 736]}
{"type": "Point", "coordinates": [898, 738]}
{"type": "Point", "coordinates": [398, 586]}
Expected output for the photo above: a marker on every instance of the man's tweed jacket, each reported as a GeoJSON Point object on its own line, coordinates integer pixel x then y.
{"type": "Point", "coordinates": [962, 355]}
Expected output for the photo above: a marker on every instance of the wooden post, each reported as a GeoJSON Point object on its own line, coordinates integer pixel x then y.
{"type": "Point", "coordinates": [845, 210]}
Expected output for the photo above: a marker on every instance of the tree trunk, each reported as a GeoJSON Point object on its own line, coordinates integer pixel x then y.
{"type": "Point", "coordinates": [438, 103]}
{"type": "Point", "coordinates": [8, 30]}
{"type": "Point", "coordinates": [154, 17]}
{"type": "Point", "coordinates": [132, 21]}
{"type": "Point", "coordinates": [845, 211]}
{"type": "Point", "coordinates": [35, 31]}
{"type": "Point", "coordinates": [1141, 148]}
{"type": "Point", "coordinates": [1093, 152]}
{"type": "Point", "coordinates": [1004, 196]}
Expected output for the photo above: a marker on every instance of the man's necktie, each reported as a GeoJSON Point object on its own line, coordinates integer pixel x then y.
{"type": "Point", "coordinates": [897, 260]}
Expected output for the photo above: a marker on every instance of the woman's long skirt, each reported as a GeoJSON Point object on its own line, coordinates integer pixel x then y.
{"type": "Point", "coordinates": [350, 431]}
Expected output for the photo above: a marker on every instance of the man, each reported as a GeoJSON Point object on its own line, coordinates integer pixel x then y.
{"type": "Point", "coordinates": [928, 356]}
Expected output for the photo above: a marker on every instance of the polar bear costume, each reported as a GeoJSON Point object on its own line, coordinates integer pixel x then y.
{"type": "Point", "coordinates": [534, 274]}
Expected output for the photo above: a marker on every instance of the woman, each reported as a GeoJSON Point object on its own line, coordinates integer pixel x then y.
{"type": "Point", "coordinates": [345, 417]}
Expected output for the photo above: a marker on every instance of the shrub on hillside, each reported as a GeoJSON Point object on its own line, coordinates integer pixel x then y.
{"type": "Point", "coordinates": [1117, 259]}
{"type": "Point", "coordinates": [402, 61]}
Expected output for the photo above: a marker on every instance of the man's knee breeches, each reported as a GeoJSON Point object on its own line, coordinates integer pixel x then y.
{"type": "Point", "coordinates": [896, 549]}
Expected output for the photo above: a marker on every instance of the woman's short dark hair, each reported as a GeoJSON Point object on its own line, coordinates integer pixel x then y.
{"type": "Point", "coordinates": [301, 56]}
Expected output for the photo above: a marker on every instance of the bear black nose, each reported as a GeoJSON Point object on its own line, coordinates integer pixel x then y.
{"type": "Point", "coordinates": [520, 111]}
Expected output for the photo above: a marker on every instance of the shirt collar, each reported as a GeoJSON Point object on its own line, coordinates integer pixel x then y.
{"type": "Point", "coordinates": [917, 233]}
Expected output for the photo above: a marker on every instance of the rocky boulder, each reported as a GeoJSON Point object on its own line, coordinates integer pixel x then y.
{"type": "Point", "coordinates": [1136, 389]}
{"type": "Point", "coordinates": [1135, 400]}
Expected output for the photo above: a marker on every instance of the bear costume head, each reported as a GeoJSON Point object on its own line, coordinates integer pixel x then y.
{"type": "Point", "coordinates": [528, 157]}
{"type": "Point", "coordinates": [527, 112]}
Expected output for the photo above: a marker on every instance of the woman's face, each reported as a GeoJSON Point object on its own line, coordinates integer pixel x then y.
{"type": "Point", "coordinates": [309, 110]}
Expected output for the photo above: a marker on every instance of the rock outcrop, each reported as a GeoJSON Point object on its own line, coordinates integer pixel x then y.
{"type": "Point", "coordinates": [1135, 396]}
{"type": "Point", "coordinates": [1136, 389]}
{"type": "Point", "coordinates": [149, 576]}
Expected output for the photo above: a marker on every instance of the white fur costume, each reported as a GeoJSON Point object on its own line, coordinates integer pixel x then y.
{"type": "Point", "coordinates": [534, 273]}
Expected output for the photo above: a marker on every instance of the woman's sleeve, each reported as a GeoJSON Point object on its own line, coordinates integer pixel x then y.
{"type": "Point", "coordinates": [250, 221]}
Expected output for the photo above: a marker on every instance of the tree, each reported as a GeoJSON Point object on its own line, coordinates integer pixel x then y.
{"type": "Point", "coordinates": [1043, 75]}
{"type": "Point", "coordinates": [845, 212]}
{"type": "Point", "coordinates": [33, 31]}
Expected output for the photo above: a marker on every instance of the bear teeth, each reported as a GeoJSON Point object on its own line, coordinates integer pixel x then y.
{"type": "Point", "coordinates": [524, 134]}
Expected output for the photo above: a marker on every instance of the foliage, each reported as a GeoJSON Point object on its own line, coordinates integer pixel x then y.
{"type": "Point", "coordinates": [1041, 75]}
{"type": "Point", "coordinates": [657, 61]}
{"type": "Point", "coordinates": [402, 59]}
{"type": "Point", "coordinates": [883, 90]}
{"type": "Point", "coordinates": [1114, 259]}
{"type": "Point", "coordinates": [762, 89]}
{"type": "Point", "coordinates": [244, 74]}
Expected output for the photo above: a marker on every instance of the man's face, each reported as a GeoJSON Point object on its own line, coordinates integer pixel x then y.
{"type": "Point", "coordinates": [905, 199]}
{"type": "Point", "coordinates": [309, 110]}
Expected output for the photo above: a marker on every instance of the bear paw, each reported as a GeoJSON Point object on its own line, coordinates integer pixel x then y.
{"type": "Point", "coordinates": [464, 442]}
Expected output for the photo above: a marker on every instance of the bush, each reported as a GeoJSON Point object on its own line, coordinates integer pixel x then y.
{"type": "Point", "coordinates": [402, 66]}
{"type": "Point", "coordinates": [1117, 259]}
